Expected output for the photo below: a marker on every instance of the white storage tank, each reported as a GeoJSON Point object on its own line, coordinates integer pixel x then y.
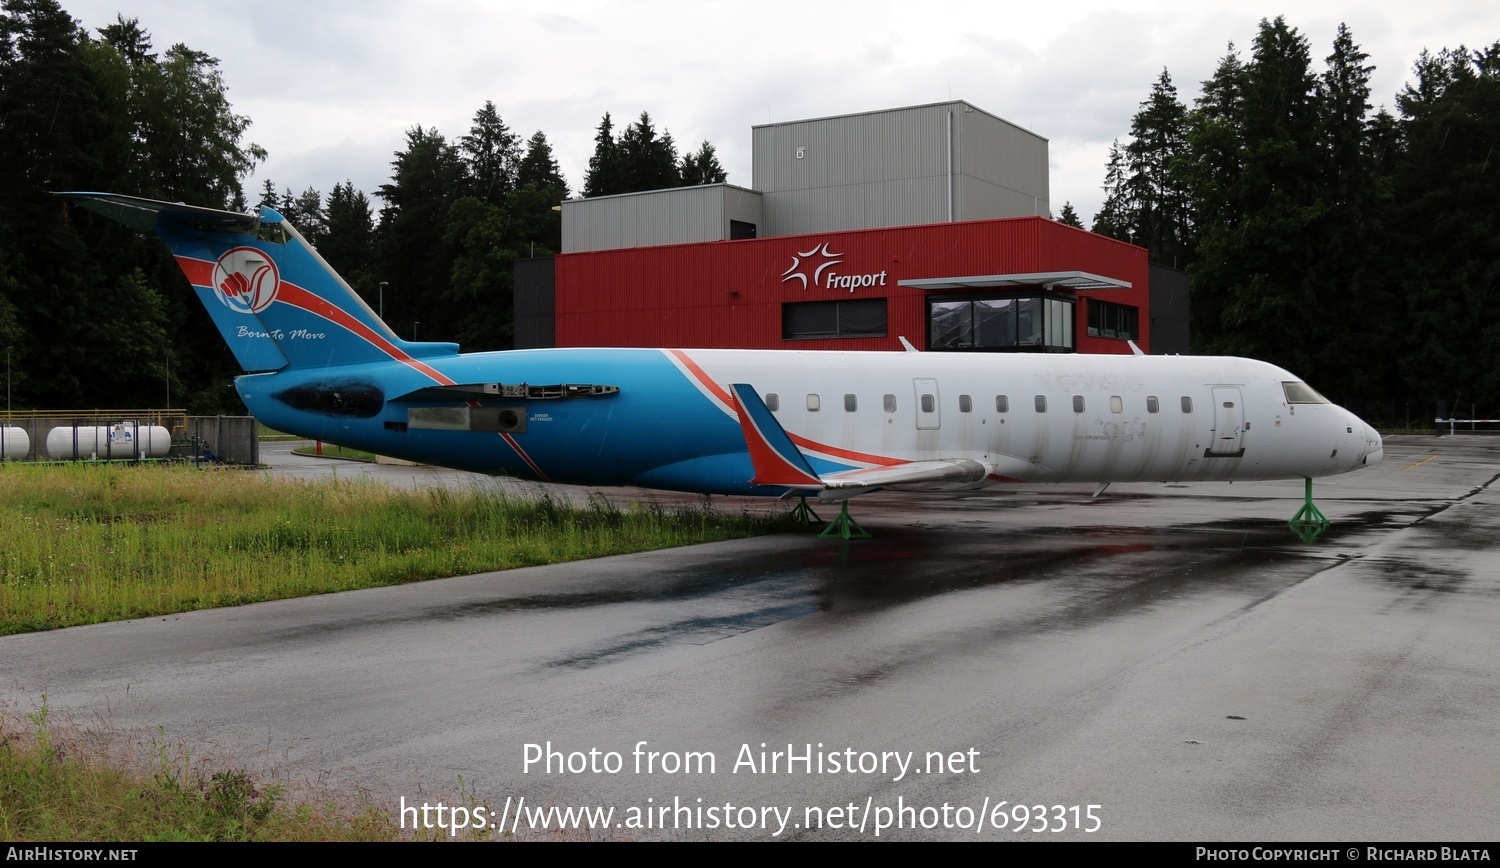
{"type": "Point", "coordinates": [122, 440]}
{"type": "Point", "coordinates": [15, 443]}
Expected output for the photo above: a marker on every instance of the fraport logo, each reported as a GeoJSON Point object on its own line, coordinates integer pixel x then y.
{"type": "Point", "coordinates": [814, 270]}
{"type": "Point", "coordinates": [246, 280]}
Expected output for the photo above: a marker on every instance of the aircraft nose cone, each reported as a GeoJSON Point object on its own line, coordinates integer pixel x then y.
{"type": "Point", "coordinates": [1374, 447]}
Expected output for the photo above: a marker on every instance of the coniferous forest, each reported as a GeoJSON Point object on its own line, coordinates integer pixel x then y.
{"type": "Point", "coordinates": [94, 315]}
{"type": "Point", "coordinates": [1358, 248]}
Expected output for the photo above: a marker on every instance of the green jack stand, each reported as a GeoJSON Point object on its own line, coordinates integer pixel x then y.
{"type": "Point", "coordinates": [803, 514]}
{"type": "Point", "coordinates": [845, 527]}
{"type": "Point", "coordinates": [1309, 523]}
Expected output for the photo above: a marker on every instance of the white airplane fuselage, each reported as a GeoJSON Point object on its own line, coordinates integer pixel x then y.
{"type": "Point", "coordinates": [672, 423]}
{"type": "Point", "coordinates": [1056, 418]}
{"type": "Point", "coordinates": [323, 364]}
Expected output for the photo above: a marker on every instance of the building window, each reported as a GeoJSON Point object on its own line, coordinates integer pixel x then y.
{"type": "Point", "coordinates": [1012, 324]}
{"type": "Point", "coordinates": [853, 318]}
{"type": "Point", "coordinates": [1110, 320]}
{"type": "Point", "coordinates": [739, 229]}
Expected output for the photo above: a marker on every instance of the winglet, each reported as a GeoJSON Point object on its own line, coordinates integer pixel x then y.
{"type": "Point", "coordinates": [1135, 349]}
{"type": "Point", "coordinates": [777, 461]}
{"type": "Point", "coordinates": [909, 348]}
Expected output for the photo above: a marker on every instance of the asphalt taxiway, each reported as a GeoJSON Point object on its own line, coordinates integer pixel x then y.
{"type": "Point", "coordinates": [1174, 656]}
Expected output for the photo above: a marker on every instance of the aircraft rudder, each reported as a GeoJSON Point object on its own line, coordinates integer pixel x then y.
{"type": "Point", "coordinates": [274, 299]}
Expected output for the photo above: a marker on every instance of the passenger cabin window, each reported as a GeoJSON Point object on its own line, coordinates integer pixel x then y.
{"type": "Point", "coordinates": [1077, 403]}
{"type": "Point", "coordinates": [851, 403]}
{"type": "Point", "coordinates": [1116, 404]}
{"type": "Point", "coordinates": [813, 404]}
{"type": "Point", "coordinates": [1153, 405]}
{"type": "Point", "coordinates": [1041, 403]}
{"type": "Point", "coordinates": [965, 404]}
{"type": "Point", "coordinates": [929, 404]}
{"type": "Point", "coordinates": [1187, 404]}
{"type": "Point", "coordinates": [1002, 404]}
{"type": "Point", "coordinates": [890, 403]}
{"type": "Point", "coordinates": [773, 402]}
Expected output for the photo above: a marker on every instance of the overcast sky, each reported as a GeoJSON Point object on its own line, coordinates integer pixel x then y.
{"type": "Point", "coordinates": [332, 86]}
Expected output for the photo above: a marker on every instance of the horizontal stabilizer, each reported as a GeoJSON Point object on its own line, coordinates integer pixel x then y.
{"type": "Point", "coordinates": [148, 215]}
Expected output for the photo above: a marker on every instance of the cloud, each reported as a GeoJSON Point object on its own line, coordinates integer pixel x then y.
{"type": "Point", "coordinates": [332, 86]}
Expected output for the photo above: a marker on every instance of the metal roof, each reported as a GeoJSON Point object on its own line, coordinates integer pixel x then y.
{"type": "Point", "coordinates": [1046, 279]}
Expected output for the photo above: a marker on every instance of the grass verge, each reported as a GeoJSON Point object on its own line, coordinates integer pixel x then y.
{"type": "Point", "coordinates": [53, 789]}
{"type": "Point", "coordinates": [87, 543]}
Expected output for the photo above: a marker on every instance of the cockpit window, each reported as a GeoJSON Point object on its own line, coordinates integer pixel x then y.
{"type": "Point", "coordinates": [1301, 393]}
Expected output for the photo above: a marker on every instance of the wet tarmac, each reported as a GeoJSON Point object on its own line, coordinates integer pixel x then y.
{"type": "Point", "coordinates": [1172, 655]}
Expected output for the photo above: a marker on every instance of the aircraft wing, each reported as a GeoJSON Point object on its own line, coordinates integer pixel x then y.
{"type": "Point", "coordinates": [944, 471]}
{"type": "Point", "coordinates": [778, 461]}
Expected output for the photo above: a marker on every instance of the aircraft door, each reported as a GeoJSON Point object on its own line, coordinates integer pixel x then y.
{"type": "Point", "coordinates": [1229, 422]}
{"type": "Point", "coordinates": [926, 396]}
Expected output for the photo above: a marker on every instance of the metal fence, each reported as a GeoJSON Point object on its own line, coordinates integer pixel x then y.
{"type": "Point", "coordinates": [223, 439]}
{"type": "Point", "coordinates": [230, 439]}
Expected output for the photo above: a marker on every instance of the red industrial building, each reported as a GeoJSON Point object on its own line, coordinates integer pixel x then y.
{"type": "Point", "coordinates": [925, 224]}
{"type": "Point", "coordinates": [1036, 283]}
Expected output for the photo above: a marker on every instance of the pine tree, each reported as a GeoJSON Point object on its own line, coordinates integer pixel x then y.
{"type": "Point", "coordinates": [312, 220]}
{"type": "Point", "coordinates": [533, 204]}
{"type": "Point", "coordinates": [702, 167]}
{"type": "Point", "coordinates": [1116, 217]}
{"type": "Point", "coordinates": [413, 253]}
{"type": "Point", "coordinates": [1158, 193]}
{"type": "Point", "coordinates": [351, 235]}
{"type": "Point", "coordinates": [1444, 191]}
{"type": "Point", "coordinates": [492, 153]}
{"type": "Point", "coordinates": [1356, 294]}
{"type": "Point", "coordinates": [649, 161]}
{"type": "Point", "coordinates": [606, 172]}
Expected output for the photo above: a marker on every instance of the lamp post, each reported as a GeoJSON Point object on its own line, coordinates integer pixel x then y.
{"type": "Point", "coordinates": [382, 298]}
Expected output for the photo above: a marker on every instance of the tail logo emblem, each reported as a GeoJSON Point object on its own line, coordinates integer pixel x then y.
{"type": "Point", "coordinates": [246, 280]}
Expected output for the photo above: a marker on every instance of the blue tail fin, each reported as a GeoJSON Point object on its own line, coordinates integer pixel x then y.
{"type": "Point", "coordinates": [275, 300]}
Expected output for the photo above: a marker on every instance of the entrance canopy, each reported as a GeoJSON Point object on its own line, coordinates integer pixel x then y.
{"type": "Point", "coordinates": [1046, 279]}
